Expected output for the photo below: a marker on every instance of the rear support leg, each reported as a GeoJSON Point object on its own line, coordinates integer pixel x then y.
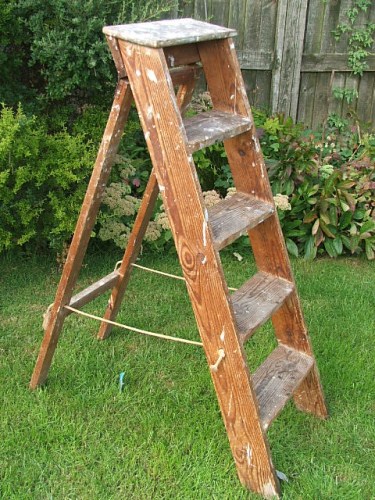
{"type": "Point", "coordinates": [108, 148]}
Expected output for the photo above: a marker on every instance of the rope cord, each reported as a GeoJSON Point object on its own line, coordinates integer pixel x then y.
{"type": "Point", "coordinates": [150, 270]}
{"type": "Point", "coordinates": [133, 329]}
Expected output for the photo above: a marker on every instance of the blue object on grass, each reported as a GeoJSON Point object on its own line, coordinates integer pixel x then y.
{"type": "Point", "coordinates": [121, 381]}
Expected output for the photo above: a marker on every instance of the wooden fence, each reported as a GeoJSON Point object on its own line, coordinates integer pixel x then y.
{"type": "Point", "coordinates": [289, 57]}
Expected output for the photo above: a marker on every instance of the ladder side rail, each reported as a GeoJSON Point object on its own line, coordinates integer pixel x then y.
{"type": "Point", "coordinates": [108, 149]}
{"type": "Point", "coordinates": [250, 176]}
{"type": "Point", "coordinates": [182, 197]}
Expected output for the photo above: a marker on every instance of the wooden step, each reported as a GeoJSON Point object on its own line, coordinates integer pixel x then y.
{"type": "Point", "coordinates": [204, 129]}
{"type": "Point", "coordinates": [256, 301]}
{"type": "Point", "coordinates": [232, 217]}
{"type": "Point", "coordinates": [276, 380]}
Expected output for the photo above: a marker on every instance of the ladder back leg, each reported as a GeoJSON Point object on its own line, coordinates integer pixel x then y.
{"type": "Point", "coordinates": [163, 128]}
{"type": "Point", "coordinates": [131, 253]}
{"type": "Point", "coordinates": [184, 94]}
{"type": "Point", "coordinates": [249, 174]}
{"type": "Point", "coordinates": [111, 139]}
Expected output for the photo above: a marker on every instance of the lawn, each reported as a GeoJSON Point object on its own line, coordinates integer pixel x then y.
{"type": "Point", "coordinates": [162, 436]}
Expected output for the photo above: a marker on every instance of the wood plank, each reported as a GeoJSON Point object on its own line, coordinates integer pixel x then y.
{"type": "Point", "coordinates": [366, 99]}
{"type": "Point", "coordinates": [322, 98]}
{"type": "Point", "coordinates": [181, 55]}
{"type": "Point", "coordinates": [330, 61]}
{"type": "Point", "coordinates": [205, 129]}
{"type": "Point", "coordinates": [287, 77]}
{"type": "Point", "coordinates": [256, 301]}
{"type": "Point", "coordinates": [306, 98]}
{"type": "Point", "coordinates": [168, 32]}
{"type": "Point", "coordinates": [201, 266]}
{"type": "Point", "coordinates": [237, 16]}
{"type": "Point", "coordinates": [115, 51]}
{"type": "Point", "coordinates": [256, 59]}
{"type": "Point", "coordinates": [232, 217]}
{"type": "Point", "coordinates": [185, 74]}
{"type": "Point", "coordinates": [104, 161]}
{"type": "Point", "coordinates": [276, 380]}
{"type": "Point", "coordinates": [314, 26]}
{"type": "Point", "coordinates": [93, 291]}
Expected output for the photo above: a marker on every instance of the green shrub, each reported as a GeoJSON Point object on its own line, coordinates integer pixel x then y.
{"type": "Point", "coordinates": [64, 48]}
{"type": "Point", "coordinates": [43, 179]}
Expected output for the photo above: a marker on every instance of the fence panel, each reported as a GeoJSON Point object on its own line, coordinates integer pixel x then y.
{"type": "Point", "coordinates": [289, 57]}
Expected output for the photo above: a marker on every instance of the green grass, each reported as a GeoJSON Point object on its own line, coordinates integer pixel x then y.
{"type": "Point", "coordinates": [163, 436]}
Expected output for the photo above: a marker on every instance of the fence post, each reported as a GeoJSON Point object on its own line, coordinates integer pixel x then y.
{"type": "Point", "coordinates": [289, 38]}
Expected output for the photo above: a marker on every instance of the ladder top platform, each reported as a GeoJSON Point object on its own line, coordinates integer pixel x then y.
{"type": "Point", "coordinates": [168, 32]}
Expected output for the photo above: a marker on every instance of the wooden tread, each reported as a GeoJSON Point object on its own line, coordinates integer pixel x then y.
{"type": "Point", "coordinates": [205, 129]}
{"type": "Point", "coordinates": [232, 217]}
{"type": "Point", "coordinates": [276, 380]}
{"type": "Point", "coordinates": [256, 301]}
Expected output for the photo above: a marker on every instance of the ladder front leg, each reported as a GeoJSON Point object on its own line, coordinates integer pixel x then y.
{"type": "Point", "coordinates": [108, 148]}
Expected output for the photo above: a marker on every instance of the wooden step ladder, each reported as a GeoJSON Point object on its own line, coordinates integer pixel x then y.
{"type": "Point", "coordinates": [152, 59]}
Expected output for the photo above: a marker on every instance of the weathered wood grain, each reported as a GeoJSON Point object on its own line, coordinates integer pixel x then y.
{"type": "Point", "coordinates": [232, 217]}
{"type": "Point", "coordinates": [287, 73]}
{"type": "Point", "coordinates": [200, 262]}
{"type": "Point", "coordinates": [94, 290]}
{"type": "Point", "coordinates": [256, 301]}
{"type": "Point", "coordinates": [276, 380]}
{"type": "Point", "coordinates": [181, 55]}
{"type": "Point", "coordinates": [205, 129]}
{"type": "Point", "coordinates": [168, 32]}
{"type": "Point", "coordinates": [104, 161]}
{"type": "Point", "coordinates": [318, 63]}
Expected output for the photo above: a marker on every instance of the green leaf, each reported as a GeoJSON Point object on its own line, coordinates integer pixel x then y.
{"type": "Point", "coordinates": [346, 241]}
{"type": "Point", "coordinates": [370, 247]}
{"type": "Point", "coordinates": [315, 227]}
{"type": "Point", "coordinates": [310, 248]}
{"type": "Point", "coordinates": [326, 229]}
{"type": "Point", "coordinates": [330, 248]}
{"type": "Point", "coordinates": [292, 247]}
{"type": "Point", "coordinates": [367, 226]}
{"type": "Point", "coordinates": [337, 243]}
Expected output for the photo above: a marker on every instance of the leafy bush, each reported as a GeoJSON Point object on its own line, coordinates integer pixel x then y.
{"type": "Point", "coordinates": [62, 45]}
{"type": "Point", "coordinates": [43, 179]}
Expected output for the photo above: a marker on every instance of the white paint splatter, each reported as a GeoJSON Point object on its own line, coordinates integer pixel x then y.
{"type": "Point", "coordinates": [171, 61]}
{"type": "Point", "coordinates": [147, 135]}
{"type": "Point", "coordinates": [204, 229]}
{"type": "Point", "coordinates": [116, 107]}
{"type": "Point", "coordinates": [230, 403]}
{"type": "Point", "coordinates": [138, 73]}
{"type": "Point", "coordinates": [161, 188]}
{"type": "Point", "coordinates": [150, 112]}
{"type": "Point", "coordinates": [151, 76]}
{"type": "Point", "coordinates": [231, 45]}
{"type": "Point", "coordinates": [268, 491]}
{"type": "Point", "coordinates": [249, 453]}
{"type": "Point", "coordinates": [222, 335]}
{"type": "Point", "coordinates": [205, 214]}
{"type": "Point", "coordinates": [204, 260]}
